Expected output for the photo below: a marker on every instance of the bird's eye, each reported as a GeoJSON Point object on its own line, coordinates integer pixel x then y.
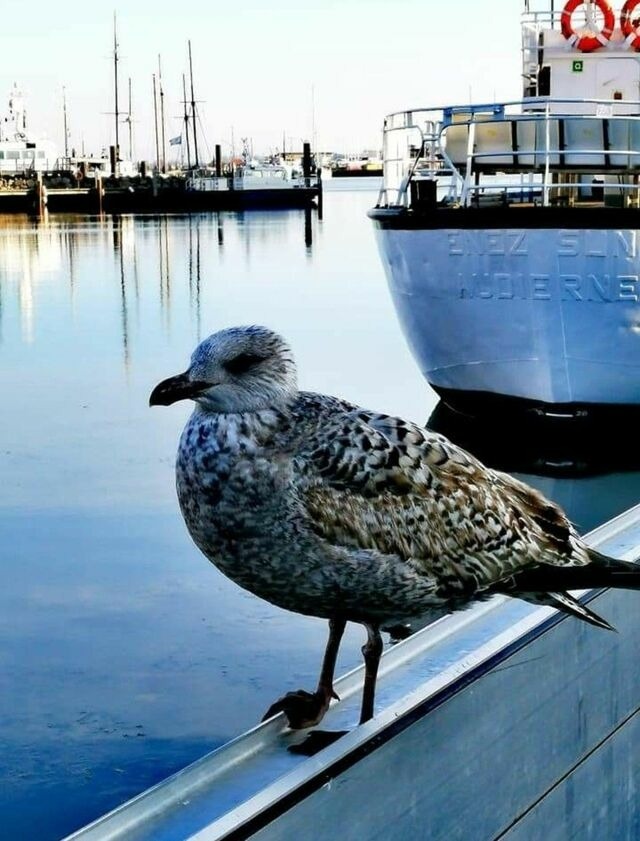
{"type": "Point", "coordinates": [242, 362]}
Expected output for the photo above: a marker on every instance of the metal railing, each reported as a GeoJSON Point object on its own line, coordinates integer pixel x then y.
{"type": "Point", "coordinates": [557, 145]}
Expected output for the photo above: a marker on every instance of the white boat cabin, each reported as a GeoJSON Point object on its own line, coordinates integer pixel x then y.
{"type": "Point", "coordinates": [577, 124]}
{"type": "Point", "coordinates": [19, 152]}
{"type": "Point", "coordinates": [250, 177]}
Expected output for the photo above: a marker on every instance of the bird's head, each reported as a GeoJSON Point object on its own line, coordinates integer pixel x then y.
{"type": "Point", "coordinates": [241, 369]}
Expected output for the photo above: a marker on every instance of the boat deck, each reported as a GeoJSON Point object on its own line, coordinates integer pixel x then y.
{"type": "Point", "coordinates": [495, 722]}
{"type": "Point", "coordinates": [494, 212]}
{"type": "Point", "coordinates": [566, 150]}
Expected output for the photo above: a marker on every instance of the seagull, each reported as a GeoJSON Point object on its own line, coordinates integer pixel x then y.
{"type": "Point", "coordinates": [330, 510]}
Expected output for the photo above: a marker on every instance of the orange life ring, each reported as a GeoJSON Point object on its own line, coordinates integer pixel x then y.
{"type": "Point", "coordinates": [588, 43]}
{"type": "Point", "coordinates": [630, 32]}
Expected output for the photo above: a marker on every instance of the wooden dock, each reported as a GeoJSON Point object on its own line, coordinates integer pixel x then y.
{"type": "Point", "coordinates": [151, 196]}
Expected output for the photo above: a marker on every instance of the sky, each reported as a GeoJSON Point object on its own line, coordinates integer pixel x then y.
{"type": "Point", "coordinates": [328, 70]}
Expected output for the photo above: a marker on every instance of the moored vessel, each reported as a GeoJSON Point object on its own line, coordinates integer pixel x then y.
{"type": "Point", "coordinates": [510, 231]}
{"type": "Point", "coordinates": [19, 151]}
{"type": "Point", "coordinates": [255, 184]}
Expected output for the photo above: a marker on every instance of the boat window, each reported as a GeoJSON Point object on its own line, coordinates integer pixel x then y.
{"type": "Point", "coordinates": [29, 154]}
{"type": "Point", "coordinates": [13, 156]}
{"type": "Point", "coordinates": [40, 153]}
{"type": "Point", "coordinates": [1, 156]}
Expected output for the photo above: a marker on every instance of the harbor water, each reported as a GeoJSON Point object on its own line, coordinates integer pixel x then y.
{"type": "Point", "coordinates": [125, 655]}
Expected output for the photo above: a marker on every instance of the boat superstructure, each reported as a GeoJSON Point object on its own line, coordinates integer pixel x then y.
{"type": "Point", "coordinates": [510, 232]}
{"type": "Point", "coordinates": [18, 151]}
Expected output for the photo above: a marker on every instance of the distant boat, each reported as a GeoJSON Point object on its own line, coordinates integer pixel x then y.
{"type": "Point", "coordinates": [101, 166]}
{"type": "Point", "coordinates": [19, 151]}
{"type": "Point", "coordinates": [255, 176]}
{"type": "Point", "coordinates": [510, 232]}
{"type": "Point", "coordinates": [353, 167]}
{"type": "Point", "coordinates": [255, 184]}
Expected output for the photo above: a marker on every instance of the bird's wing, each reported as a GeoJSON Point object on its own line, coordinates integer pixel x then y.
{"type": "Point", "coordinates": [378, 482]}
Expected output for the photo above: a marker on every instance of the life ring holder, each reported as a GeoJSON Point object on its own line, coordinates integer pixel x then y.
{"type": "Point", "coordinates": [630, 32]}
{"type": "Point", "coordinates": [589, 43]}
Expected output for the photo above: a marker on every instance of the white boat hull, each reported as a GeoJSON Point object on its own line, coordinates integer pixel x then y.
{"type": "Point", "coordinates": [548, 315]}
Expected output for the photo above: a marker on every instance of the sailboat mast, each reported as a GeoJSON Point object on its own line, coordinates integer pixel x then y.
{"type": "Point", "coordinates": [155, 120]}
{"type": "Point", "coordinates": [313, 118]}
{"type": "Point", "coordinates": [186, 119]}
{"type": "Point", "coordinates": [66, 130]}
{"type": "Point", "coordinates": [115, 89]}
{"type": "Point", "coordinates": [130, 121]}
{"type": "Point", "coordinates": [193, 110]}
{"type": "Point", "coordinates": [164, 143]}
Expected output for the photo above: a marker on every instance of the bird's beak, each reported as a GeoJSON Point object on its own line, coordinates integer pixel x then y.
{"type": "Point", "coordinates": [176, 388]}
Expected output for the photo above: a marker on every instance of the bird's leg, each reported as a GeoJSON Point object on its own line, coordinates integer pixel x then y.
{"type": "Point", "coordinates": [371, 651]}
{"type": "Point", "coordinates": [325, 682]}
{"type": "Point", "coordinates": [306, 709]}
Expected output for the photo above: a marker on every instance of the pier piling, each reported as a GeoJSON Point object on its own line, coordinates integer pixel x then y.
{"type": "Point", "coordinates": [98, 193]}
{"type": "Point", "coordinates": [306, 163]}
{"type": "Point", "coordinates": [40, 196]}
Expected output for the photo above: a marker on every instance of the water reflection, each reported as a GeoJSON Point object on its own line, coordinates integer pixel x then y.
{"type": "Point", "coordinates": [194, 272]}
{"type": "Point", "coordinates": [33, 250]}
{"type": "Point", "coordinates": [308, 229]}
{"type": "Point", "coordinates": [589, 466]}
{"type": "Point", "coordinates": [23, 261]}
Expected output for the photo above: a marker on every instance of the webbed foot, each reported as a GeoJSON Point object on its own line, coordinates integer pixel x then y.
{"type": "Point", "coordinates": [302, 708]}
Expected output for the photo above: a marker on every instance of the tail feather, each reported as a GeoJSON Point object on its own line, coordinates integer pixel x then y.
{"type": "Point", "coordinates": [547, 584]}
{"type": "Point", "coordinates": [602, 571]}
{"type": "Point", "coordinates": [600, 560]}
{"type": "Point", "coordinates": [568, 604]}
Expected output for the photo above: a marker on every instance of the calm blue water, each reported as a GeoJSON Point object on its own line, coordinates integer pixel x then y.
{"type": "Point", "coordinates": [125, 654]}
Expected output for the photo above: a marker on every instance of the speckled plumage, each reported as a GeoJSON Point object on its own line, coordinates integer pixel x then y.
{"type": "Point", "coordinates": [327, 509]}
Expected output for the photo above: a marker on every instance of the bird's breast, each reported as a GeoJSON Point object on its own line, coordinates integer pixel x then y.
{"type": "Point", "coordinates": [230, 488]}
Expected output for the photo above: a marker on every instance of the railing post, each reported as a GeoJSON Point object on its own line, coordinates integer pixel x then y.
{"type": "Point", "coordinates": [471, 140]}
{"type": "Point", "coordinates": [547, 143]}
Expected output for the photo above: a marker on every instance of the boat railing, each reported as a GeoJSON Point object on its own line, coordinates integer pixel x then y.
{"type": "Point", "coordinates": [561, 148]}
